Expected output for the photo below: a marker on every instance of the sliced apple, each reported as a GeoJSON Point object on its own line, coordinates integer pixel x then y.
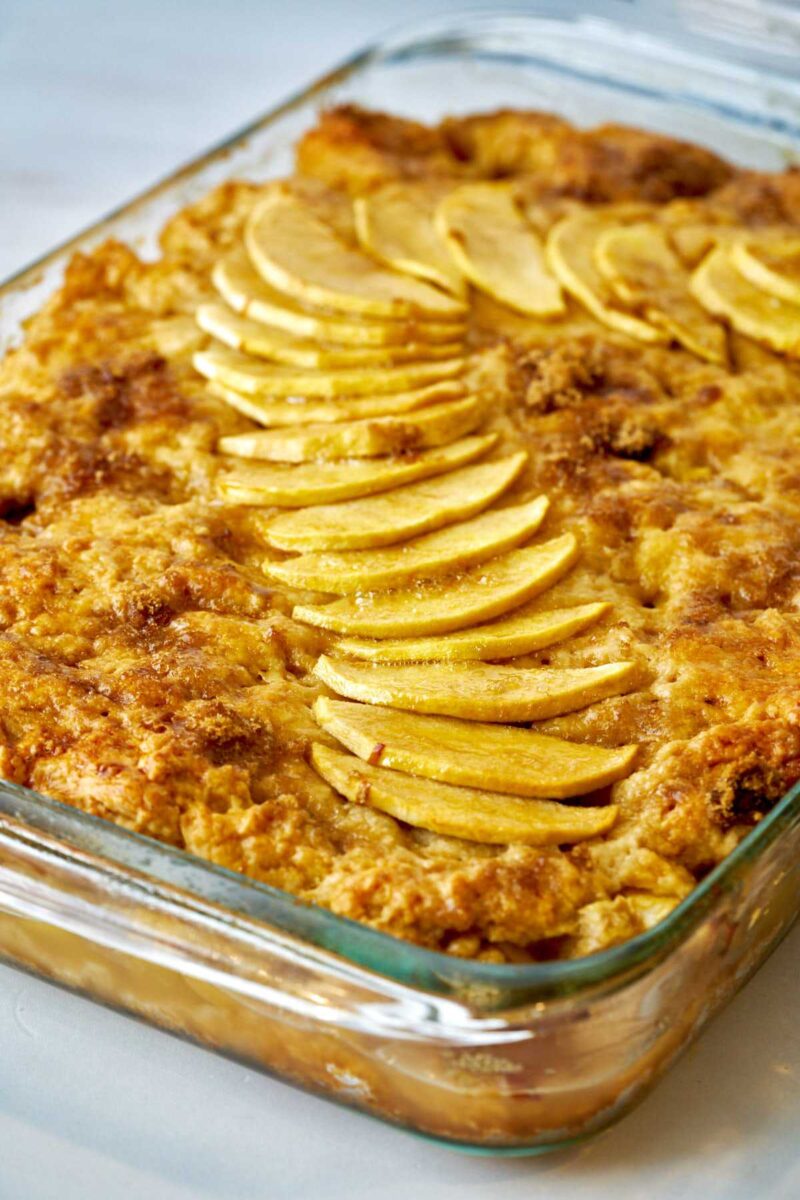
{"type": "Point", "coordinates": [497, 758]}
{"type": "Point", "coordinates": [270, 342]}
{"type": "Point", "coordinates": [397, 515]}
{"type": "Point", "coordinates": [476, 691]}
{"type": "Point", "coordinates": [498, 251]}
{"type": "Point", "coordinates": [299, 254]}
{"type": "Point", "coordinates": [770, 262]}
{"type": "Point", "coordinates": [447, 550]}
{"type": "Point", "coordinates": [432, 426]}
{"type": "Point", "coordinates": [476, 816]}
{"type": "Point", "coordinates": [324, 483]}
{"type": "Point", "coordinates": [395, 225]}
{"type": "Point", "coordinates": [570, 252]}
{"type": "Point", "coordinates": [724, 291]}
{"type": "Point", "coordinates": [478, 595]}
{"type": "Point", "coordinates": [509, 637]}
{"type": "Point", "coordinates": [254, 378]}
{"type": "Point", "coordinates": [694, 239]}
{"type": "Point", "coordinates": [646, 274]}
{"type": "Point", "coordinates": [348, 408]}
{"type": "Point", "coordinates": [241, 286]}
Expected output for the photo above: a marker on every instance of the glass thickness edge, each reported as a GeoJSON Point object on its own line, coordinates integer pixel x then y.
{"type": "Point", "coordinates": [165, 868]}
{"type": "Point", "coordinates": [159, 869]}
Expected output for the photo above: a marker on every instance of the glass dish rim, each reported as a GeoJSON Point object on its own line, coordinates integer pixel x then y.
{"type": "Point", "coordinates": [375, 951]}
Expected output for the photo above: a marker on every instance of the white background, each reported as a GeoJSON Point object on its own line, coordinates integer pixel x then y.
{"type": "Point", "coordinates": [97, 99]}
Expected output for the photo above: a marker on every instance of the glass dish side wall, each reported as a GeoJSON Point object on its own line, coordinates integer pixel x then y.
{"type": "Point", "coordinates": [524, 1079]}
{"type": "Point", "coordinates": [510, 1057]}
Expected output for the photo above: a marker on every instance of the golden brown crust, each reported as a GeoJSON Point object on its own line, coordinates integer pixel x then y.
{"type": "Point", "coordinates": [149, 674]}
{"type": "Point", "coordinates": [355, 149]}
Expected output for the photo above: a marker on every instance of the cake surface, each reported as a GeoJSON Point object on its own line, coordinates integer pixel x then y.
{"type": "Point", "coordinates": [153, 673]}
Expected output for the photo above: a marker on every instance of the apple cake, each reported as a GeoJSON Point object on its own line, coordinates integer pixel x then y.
{"type": "Point", "coordinates": [419, 534]}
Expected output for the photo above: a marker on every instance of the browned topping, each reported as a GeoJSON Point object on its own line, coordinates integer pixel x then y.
{"type": "Point", "coordinates": [150, 676]}
{"type": "Point", "coordinates": [138, 391]}
{"type": "Point", "coordinates": [356, 149]}
{"type": "Point", "coordinates": [561, 375]}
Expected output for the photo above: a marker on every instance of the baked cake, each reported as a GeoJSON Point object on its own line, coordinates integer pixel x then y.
{"type": "Point", "coordinates": [419, 535]}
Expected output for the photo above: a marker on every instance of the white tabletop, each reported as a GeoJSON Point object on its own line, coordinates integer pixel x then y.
{"type": "Point", "coordinates": [97, 99]}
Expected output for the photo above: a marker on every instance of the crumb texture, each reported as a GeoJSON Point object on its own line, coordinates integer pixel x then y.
{"type": "Point", "coordinates": [153, 675]}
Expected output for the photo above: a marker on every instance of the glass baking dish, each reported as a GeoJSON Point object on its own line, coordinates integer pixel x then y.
{"type": "Point", "coordinates": [514, 1059]}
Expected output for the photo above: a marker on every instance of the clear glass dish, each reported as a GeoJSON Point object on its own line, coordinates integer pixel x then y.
{"type": "Point", "coordinates": [514, 1059]}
